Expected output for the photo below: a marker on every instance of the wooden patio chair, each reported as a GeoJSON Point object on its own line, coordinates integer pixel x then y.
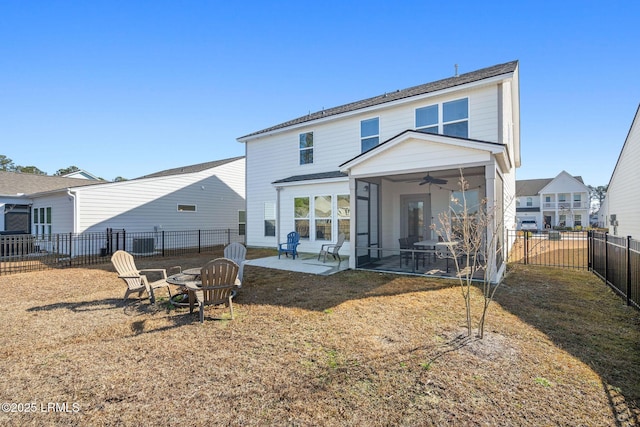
{"type": "Point", "coordinates": [291, 246]}
{"type": "Point", "coordinates": [237, 252]}
{"type": "Point", "coordinates": [332, 249]}
{"type": "Point", "coordinates": [135, 280]}
{"type": "Point", "coordinates": [218, 282]}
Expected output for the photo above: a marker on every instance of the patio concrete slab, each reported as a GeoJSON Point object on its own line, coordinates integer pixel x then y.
{"type": "Point", "coordinates": [304, 263]}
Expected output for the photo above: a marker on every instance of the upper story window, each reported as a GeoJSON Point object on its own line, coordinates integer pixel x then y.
{"type": "Point", "coordinates": [452, 119]}
{"type": "Point", "coordinates": [427, 119]}
{"type": "Point", "coordinates": [455, 118]}
{"type": "Point", "coordinates": [529, 202]}
{"type": "Point", "coordinates": [369, 133]}
{"type": "Point", "coordinates": [306, 148]}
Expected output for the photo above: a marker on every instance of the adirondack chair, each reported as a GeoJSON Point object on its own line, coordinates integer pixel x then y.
{"type": "Point", "coordinates": [291, 247]}
{"type": "Point", "coordinates": [238, 253]}
{"type": "Point", "coordinates": [218, 282]}
{"type": "Point", "coordinates": [332, 249]}
{"type": "Point", "coordinates": [135, 280]}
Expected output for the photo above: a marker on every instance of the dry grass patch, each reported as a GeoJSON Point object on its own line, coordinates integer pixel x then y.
{"type": "Point", "coordinates": [354, 348]}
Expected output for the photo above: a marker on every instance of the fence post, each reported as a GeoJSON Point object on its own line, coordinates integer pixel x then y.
{"type": "Point", "coordinates": [70, 245]}
{"type": "Point", "coordinates": [628, 248]}
{"type": "Point", "coordinates": [606, 258]}
{"type": "Point", "coordinates": [163, 243]}
{"type": "Point", "coordinates": [526, 247]}
{"type": "Point", "coordinates": [124, 239]}
{"type": "Point", "coordinates": [589, 247]}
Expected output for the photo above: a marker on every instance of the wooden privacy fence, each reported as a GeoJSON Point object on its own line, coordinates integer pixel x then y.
{"type": "Point", "coordinates": [23, 253]}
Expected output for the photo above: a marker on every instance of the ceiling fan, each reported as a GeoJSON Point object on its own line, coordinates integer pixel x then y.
{"type": "Point", "coordinates": [431, 180]}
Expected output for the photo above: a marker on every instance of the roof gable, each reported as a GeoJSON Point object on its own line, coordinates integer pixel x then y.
{"type": "Point", "coordinates": [472, 77]}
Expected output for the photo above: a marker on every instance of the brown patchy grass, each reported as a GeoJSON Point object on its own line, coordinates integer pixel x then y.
{"type": "Point", "coordinates": [355, 348]}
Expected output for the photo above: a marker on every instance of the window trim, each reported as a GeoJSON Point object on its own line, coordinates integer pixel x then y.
{"type": "Point", "coordinates": [369, 137]}
{"type": "Point", "coordinates": [306, 150]}
{"type": "Point", "coordinates": [440, 125]}
{"type": "Point", "coordinates": [187, 206]}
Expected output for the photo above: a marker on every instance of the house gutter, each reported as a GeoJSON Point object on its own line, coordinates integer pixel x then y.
{"type": "Point", "coordinates": [73, 197]}
{"type": "Point", "coordinates": [278, 190]}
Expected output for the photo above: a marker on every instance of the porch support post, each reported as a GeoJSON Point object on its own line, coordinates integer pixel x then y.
{"type": "Point", "coordinates": [353, 200]}
{"type": "Point", "coordinates": [490, 185]}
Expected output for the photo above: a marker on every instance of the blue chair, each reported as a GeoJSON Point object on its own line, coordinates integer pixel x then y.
{"type": "Point", "coordinates": [291, 247]}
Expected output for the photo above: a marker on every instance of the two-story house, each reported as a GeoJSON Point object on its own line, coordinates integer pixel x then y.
{"type": "Point", "coordinates": [385, 167]}
{"type": "Point", "coordinates": [562, 201]}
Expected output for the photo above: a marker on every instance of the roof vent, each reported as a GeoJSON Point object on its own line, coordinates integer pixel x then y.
{"type": "Point", "coordinates": [456, 67]}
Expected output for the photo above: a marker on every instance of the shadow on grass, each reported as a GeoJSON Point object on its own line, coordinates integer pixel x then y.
{"type": "Point", "coordinates": [585, 318]}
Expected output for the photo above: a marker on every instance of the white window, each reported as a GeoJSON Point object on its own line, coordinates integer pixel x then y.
{"type": "Point", "coordinates": [187, 208]}
{"type": "Point", "coordinates": [269, 219]}
{"type": "Point", "coordinates": [323, 215]}
{"type": "Point", "coordinates": [42, 221]}
{"type": "Point", "coordinates": [242, 223]}
{"type": "Point", "coordinates": [451, 118]}
{"type": "Point", "coordinates": [369, 133]}
{"type": "Point", "coordinates": [344, 215]}
{"type": "Point", "coordinates": [577, 220]}
{"type": "Point", "coordinates": [306, 148]}
{"type": "Point", "coordinates": [529, 202]}
{"type": "Point", "coordinates": [301, 216]}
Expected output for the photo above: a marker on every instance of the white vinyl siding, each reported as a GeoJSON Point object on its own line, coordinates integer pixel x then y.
{"type": "Point", "coordinates": [140, 205]}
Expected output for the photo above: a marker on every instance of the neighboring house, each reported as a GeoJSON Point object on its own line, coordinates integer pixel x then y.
{"type": "Point", "coordinates": [562, 201]}
{"type": "Point", "coordinates": [358, 168]}
{"type": "Point", "coordinates": [15, 199]}
{"type": "Point", "coordinates": [82, 174]}
{"type": "Point", "coordinates": [203, 196]}
{"type": "Point", "coordinates": [621, 208]}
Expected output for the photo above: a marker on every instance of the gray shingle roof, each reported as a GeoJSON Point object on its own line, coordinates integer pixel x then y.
{"type": "Point", "coordinates": [13, 183]}
{"type": "Point", "coordinates": [447, 83]}
{"type": "Point", "coordinates": [192, 168]}
{"type": "Point", "coordinates": [531, 187]}
{"type": "Point", "coordinates": [321, 175]}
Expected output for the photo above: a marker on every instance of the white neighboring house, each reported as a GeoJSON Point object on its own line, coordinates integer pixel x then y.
{"type": "Point", "coordinates": [621, 208]}
{"type": "Point", "coordinates": [204, 196]}
{"type": "Point", "coordinates": [358, 168]}
{"type": "Point", "coordinates": [562, 201]}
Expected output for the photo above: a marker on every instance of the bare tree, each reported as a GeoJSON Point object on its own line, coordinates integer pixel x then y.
{"type": "Point", "coordinates": [472, 230]}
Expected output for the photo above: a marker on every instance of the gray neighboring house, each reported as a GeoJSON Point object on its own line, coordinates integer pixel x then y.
{"type": "Point", "coordinates": [204, 196]}
{"type": "Point", "coordinates": [620, 211]}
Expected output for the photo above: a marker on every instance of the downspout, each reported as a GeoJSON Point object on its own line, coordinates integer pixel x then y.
{"type": "Point", "coordinates": [278, 189]}
{"type": "Point", "coordinates": [72, 197]}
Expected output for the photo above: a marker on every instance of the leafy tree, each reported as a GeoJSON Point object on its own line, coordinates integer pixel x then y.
{"type": "Point", "coordinates": [597, 194]}
{"type": "Point", "coordinates": [66, 171]}
{"type": "Point", "coordinates": [29, 169]}
{"type": "Point", "coordinates": [119, 179]}
{"type": "Point", "coordinates": [6, 164]}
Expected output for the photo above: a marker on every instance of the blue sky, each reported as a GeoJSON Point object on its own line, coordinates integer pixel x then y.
{"type": "Point", "coordinates": [126, 88]}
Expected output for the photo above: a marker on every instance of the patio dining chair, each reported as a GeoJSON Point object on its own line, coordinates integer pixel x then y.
{"type": "Point", "coordinates": [238, 253]}
{"type": "Point", "coordinates": [332, 249]}
{"type": "Point", "coordinates": [291, 246]}
{"type": "Point", "coordinates": [218, 282]}
{"type": "Point", "coordinates": [135, 280]}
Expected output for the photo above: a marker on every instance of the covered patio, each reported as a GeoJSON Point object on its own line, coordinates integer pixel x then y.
{"type": "Point", "coordinates": [400, 188]}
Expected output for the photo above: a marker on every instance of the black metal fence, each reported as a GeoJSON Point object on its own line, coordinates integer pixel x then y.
{"type": "Point", "coordinates": [563, 249]}
{"type": "Point", "coordinates": [616, 260]}
{"type": "Point", "coordinates": [25, 252]}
